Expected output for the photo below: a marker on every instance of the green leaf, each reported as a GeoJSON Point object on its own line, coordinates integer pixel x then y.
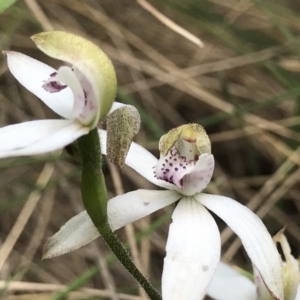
{"type": "Point", "coordinates": [4, 4]}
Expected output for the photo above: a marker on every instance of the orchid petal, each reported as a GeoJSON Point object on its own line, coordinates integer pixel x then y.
{"type": "Point", "coordinates": [135, 205]}
{"type": "Point", "coordinates": [38, 137]}
{"type": "Point", "coordinates": [228, 284]}
{"type": "Point", "coordinates": [140, 160]}
{"type": "Point", "coordinates": [193, 252]}
{"type": "Point", "coordinates": [76, 233]}
{"type": "Point", "coordinates": [254, 236]}
{"type": "Point", "coordinates": [32, 73]}
{"type": "Point", "coordinates": [122, 210]}
{"type": "Point", "coordinates": [298, 293]}
{"type": "Point", "coordinates": [93, 67]}
{"type": "Point", "coordinates": [261, 289]}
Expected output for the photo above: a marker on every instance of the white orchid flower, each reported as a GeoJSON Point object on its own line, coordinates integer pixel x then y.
{"type": "Point", "coordinates": [81, 93]}
{"type": "Point", "coordinates": [229, 284]}
{"type": "Point", "coordinates": [193, 247]}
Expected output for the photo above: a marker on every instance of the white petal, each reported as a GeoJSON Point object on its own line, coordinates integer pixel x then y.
{"type": "Point", "coordinates": [229, 284]}
{"type": "Point", "coordinates": [254, 236]}
{"type": "Point", "coordinates": [122, 210]}
{"type": "Point", "coordinates": [32, 73]}
{"type": "Point", "coordinates": [38, 137]}
{"type": "Point", "coordinates": [140, 160]}
{"type": "Point", "coordinates": [298, 294]}
{"type": "Point", "coordinates": [193, 252]}
{"type": "Point", "coordinates": [135, 205]}
{"type": "Point", "coordinates": [262, 291]}
{"type": "Point", "coordinates": [76, 233]}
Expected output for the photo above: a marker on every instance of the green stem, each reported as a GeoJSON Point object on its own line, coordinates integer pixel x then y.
{"type": "Point", "coordinates": [94, 196]}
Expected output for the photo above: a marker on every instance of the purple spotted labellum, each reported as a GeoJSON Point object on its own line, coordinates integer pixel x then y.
{"type": "Point", "coordinates": [181, 162]}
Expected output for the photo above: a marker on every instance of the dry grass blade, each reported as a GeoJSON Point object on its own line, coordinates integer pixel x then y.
{"type": "Point", "coordinates": [25, 214]}
{"type": "Point", "coordinates": [169, 23]}
{"type": "Point", "coordinates": [21, 286]}
{"type": "Point", "coordinates": [39, 14]}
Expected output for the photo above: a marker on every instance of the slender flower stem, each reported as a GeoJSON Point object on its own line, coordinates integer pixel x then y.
{"type": "Point", "coordinates": [94, 196]}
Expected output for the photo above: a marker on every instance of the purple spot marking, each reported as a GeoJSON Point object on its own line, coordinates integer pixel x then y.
{"type": "Point", "coordinates": [53, 86]}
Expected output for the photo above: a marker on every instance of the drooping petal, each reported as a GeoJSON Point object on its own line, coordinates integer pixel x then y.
{"type": "Point", "coordinates": [140, 160]}
{"type": "Point", "coordinates": [229, 284]}
{"type": "Point", "coordinates": [32, 74]}
{"type": "Point", "coordinates": [122, 210]}
{"type": "Point", "coordinates": [254, 236]}
{"type": "Point", "coordinates": [38, 137]}
{"type": "Point", "coordinates": [290, 269]}
{"type": "Point", "coordinates": [76, 233]}
{"type": "Point", "coordinates": [93, 69]}
{"type": "Point", "coordinates": [261, 289]}
{"type": "Point", "coordinates": [193, 252]}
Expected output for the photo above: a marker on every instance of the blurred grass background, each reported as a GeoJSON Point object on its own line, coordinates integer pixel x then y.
{"type": "Point", "coordinates": [243, 86]}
